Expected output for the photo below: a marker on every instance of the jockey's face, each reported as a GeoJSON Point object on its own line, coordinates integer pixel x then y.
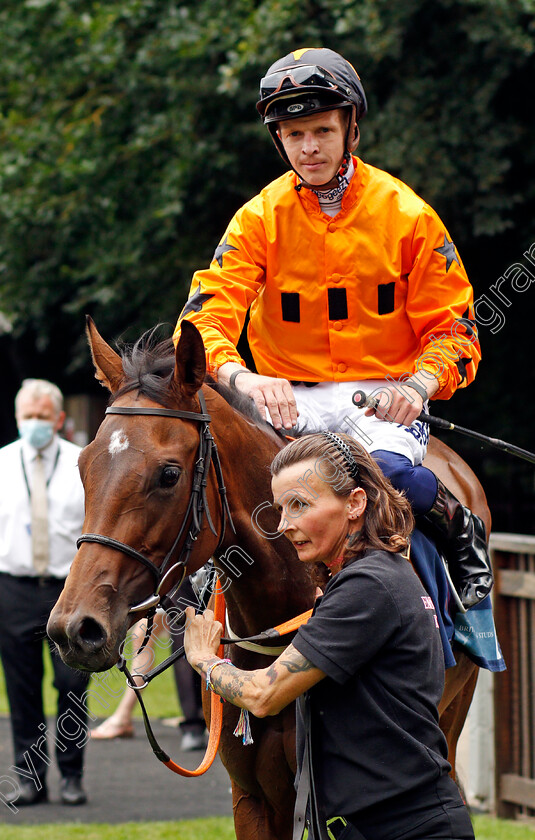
{"type": "Point", "coordinates": [315, 144]}
{"type": "Point", "coordinates": [316, 520]}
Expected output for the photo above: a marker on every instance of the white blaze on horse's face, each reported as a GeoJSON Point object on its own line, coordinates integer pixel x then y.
{"type": "Point", "coordinates": [118, 442]}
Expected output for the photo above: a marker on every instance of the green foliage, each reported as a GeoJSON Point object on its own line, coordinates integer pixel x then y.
{"type": "Point", "coordinates": [128, 135]}
{"type": "Point", "coordinates": [110, 151]}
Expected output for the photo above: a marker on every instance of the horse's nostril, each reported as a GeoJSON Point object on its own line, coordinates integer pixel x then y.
{"type": "Point", "coordinates": [91, 634]}
{"type": "Point", "coordinates": [56, 631]}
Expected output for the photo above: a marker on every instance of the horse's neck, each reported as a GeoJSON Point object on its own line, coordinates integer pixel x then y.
{"type": "Point", "coordinates": [263, 580]}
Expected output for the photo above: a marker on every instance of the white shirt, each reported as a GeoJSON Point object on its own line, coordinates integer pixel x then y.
{"type": "Point", "coordinates": [65, 506]}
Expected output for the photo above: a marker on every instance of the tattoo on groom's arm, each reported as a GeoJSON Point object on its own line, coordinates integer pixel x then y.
{"type": "Point", "coordinates": [230, 682]}
{"type": "Point", "coordinates": [296, 663]}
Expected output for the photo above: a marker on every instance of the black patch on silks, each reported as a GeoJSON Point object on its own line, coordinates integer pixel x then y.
{"type": "Point", "coordinates": [467, 323]}
{"type": "Point", "coordinates": [337, 304]}
{"type": "Point", "coordinates": [461, 366]}
{"type": "Point", "coordinates": [385, 298]}
{"type": "Point", "coordinates": [291, 309]}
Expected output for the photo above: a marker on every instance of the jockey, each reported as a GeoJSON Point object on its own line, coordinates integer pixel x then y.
{"type": "Point", "coordinates": [353, 283]}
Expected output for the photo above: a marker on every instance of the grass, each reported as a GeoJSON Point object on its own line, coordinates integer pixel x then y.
{"type": "Point", "coordinates": [487, 828]}
{"type": "Point", "coordinates": [214, 828]}
{"type": "Point", "coordinates": [105, 690]}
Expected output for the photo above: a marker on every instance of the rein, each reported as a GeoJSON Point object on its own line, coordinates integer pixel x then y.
{"type": "Point", "coordinates": [246, 642]}
{"type": "Point", "coordinates": [216, 708]}
{"type": "Point", "coordinates": [273, 633]}
{"type": "Point", "coordinates": [216, 702]}
{"type": "Point", "coordinates": [197, 507]}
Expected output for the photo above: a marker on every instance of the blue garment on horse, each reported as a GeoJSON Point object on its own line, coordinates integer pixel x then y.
{"type": "Point", "coordinates": [417, 482]}
{"type": "Point", "coordinates": [474, 630]}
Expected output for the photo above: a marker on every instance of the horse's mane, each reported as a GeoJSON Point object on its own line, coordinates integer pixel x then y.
{"type": "Point", "coordinates": [148, 366]}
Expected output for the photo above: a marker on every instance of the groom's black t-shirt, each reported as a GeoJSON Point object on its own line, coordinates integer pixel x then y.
{"type": "Point", "coordinates": [374, 634]}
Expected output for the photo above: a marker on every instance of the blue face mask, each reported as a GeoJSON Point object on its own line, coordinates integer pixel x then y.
{"type": "Point", "coordinates": [38, 433]}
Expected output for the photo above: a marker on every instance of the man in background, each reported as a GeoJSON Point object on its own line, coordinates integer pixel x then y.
{"type": "Point", "coordinates": [41, 516]}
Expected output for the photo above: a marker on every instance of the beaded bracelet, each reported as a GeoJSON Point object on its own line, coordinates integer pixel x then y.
{"type": "Point", "coordinates": [209, 684]}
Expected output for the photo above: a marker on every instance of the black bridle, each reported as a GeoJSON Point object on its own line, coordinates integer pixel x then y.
{"type": "Point", "coordinates": [197, 506]}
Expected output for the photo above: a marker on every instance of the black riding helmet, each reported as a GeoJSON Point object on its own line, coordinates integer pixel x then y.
{"type": "Point", "coordinates": [306, 82]}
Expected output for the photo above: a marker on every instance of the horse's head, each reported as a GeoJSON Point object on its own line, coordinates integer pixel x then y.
{"type": "Point", "coordinates": [138, 475]}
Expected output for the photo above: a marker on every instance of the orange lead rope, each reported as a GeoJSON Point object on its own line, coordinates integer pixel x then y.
{"type": "Point", "coordinates": [216, 712]}
{"type": "Point", "coordinates": [293, 623]}
{"type": "Point", "coordinates": [216, 705]}
{"type": "Point", "coordinates": [274, 632]}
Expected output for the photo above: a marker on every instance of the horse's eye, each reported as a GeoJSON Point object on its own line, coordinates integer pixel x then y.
{"type": "Point", "coordinates": [169, 476]}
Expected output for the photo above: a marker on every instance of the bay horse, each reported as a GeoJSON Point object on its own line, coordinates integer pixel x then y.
{"type": "Point", "coordinates": [138, 475]}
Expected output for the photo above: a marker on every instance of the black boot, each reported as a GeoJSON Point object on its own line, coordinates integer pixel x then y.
{"type": "Point", "coordinates": [462, 536]}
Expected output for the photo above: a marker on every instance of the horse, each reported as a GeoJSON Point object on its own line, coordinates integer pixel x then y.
{"type": "Point", "coordinates": [140, 473]}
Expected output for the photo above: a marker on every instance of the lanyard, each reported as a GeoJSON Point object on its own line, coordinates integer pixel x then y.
{"type": "Point", "coordinates": [25, 474]}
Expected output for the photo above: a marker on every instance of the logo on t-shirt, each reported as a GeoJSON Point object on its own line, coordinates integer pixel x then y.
{"type": "Point", "coordinates": [428, 605]}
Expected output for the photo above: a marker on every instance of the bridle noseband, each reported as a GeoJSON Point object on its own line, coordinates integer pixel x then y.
{"type": "Point", "coordinates": [197, 506]}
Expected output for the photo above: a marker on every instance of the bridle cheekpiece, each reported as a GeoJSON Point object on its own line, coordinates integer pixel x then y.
{"type": "Point", "coordinates": [197, 507]}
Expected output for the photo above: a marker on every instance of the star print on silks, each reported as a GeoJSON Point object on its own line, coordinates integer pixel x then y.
{"type": "Point", "coordinates": [468, 323]}
{"type": "Point", "coordinates": [448, 250]}
{"type": "Point", "coordinates": [195, 302]}
{"type": "Point", "coordinates": [221, 249]}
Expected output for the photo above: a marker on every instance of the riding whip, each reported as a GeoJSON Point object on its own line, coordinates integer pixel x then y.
{"type": "Point", "coordinates": [361, 400]}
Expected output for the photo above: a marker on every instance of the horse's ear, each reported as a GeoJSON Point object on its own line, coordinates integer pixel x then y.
{"type": "Point", "coordinates": [108, 364]}
{"type": "Point", "coordinates": [190, 365]}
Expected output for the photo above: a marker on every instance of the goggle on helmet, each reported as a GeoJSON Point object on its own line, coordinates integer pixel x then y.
{"type": "Point", "coordinates": [309, 81]}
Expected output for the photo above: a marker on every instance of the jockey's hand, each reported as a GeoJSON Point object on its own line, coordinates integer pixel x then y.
{"type": "Point", "coordinates": [267, 392]}
{"type": "Point", "coordinates": [396, 408]}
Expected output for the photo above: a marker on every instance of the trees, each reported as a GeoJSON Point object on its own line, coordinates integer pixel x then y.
{"type": "Point", "coordinates": [107, 182]}
{"type": "Point", "coordinates": [129, 136]}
